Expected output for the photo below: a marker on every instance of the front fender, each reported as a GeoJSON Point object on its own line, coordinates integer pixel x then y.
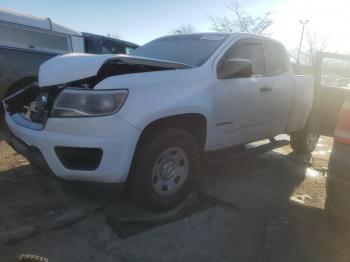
{"type": "Point", "coordinates": [156, 95]}
{"type": "Point", "coordinates": [177, 113]}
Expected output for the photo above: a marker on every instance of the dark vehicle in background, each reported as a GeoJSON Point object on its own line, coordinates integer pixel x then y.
{"type": "Point", "coordinates": [97, 44]}
{"type": "Point", "coordinates": [27, 41]}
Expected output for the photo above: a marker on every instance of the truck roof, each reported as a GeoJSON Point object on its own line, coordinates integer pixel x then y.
{"type": "Point", "coordinates": [231, 35]}
{"type": "Point", "coordinates": [15, 17]}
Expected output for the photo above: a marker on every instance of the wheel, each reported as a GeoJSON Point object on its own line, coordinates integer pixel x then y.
{"type": "Point", "coordinates": [306, 140]}
{"type": "Point", "coordinates": [164, 169]}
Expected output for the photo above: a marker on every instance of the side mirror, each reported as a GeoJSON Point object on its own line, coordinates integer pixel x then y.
{"type": "Point", "coordinates": [236, 68]}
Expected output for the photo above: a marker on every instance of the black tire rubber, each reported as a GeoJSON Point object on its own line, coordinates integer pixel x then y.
{"type": "Point", "coordinates": [139, 184]}
{"type": "Point", "coordinates": [299, 140]}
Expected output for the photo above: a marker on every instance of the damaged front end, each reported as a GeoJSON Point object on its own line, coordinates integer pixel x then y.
{"type": "Point", "coordinates": [67, 88]}
{"type": "Point", "coordinates": [31, 106]}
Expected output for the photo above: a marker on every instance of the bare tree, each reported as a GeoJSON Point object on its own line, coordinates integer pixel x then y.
{"type": "Point", "coordinates": [315, 44]}
{"type": "Point", "coordinates": [183, 29]}
{"type": "Point", "coordinates": [240, 21]}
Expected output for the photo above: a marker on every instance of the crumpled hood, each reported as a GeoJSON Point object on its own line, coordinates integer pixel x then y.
{"type": "Point", "coordinates": [73, 67]}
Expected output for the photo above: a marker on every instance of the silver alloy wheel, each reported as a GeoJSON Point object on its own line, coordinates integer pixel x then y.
{"type": "Point", "coordinates": [312, 139]}
{"type": "Point", "coordinates": [170, 171]}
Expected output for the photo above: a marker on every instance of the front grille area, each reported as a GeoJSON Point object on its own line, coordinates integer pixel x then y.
{"type": "Point", "coordinates": [76, 158]}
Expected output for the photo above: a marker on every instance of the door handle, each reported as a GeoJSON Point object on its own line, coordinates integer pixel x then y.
{"type": "Point", "coordinates": [266, 89]}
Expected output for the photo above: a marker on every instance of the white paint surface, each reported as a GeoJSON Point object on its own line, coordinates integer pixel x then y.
{"type": "Point", "coordinates": [248, 113]}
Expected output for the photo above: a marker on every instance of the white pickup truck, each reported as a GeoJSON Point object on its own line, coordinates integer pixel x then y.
{"type": "Point", "coordinates": [145, 119]}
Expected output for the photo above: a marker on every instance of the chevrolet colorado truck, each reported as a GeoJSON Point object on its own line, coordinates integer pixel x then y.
{"type": "Point", "coordinates": [146, 118]}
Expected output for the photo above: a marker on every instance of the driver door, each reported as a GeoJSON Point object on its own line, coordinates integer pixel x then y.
{"type": "Point", "coordinates": [241, 112]}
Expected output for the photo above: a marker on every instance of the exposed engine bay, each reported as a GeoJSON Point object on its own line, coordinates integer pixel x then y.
{"type": "Point", "coordinates": [35, 103]}
{"type": "Point", "coordinates": [32, 103]}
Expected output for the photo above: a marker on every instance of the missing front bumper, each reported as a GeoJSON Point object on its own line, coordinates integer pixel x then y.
{"type": "Point", "coordinates": [14, 103]}
{"type": "Point", "coordinates": [31, 106]}
{"type": "Point", "coordinates": [33, 154]}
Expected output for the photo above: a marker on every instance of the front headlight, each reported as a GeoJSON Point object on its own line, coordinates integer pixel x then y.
{"type": "Point", "coordinates": [84, 103]}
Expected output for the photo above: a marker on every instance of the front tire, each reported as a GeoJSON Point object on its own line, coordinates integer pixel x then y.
{"type": "Point", "coordinates": [164, 169]}
{"type": "Point", "coordinates": [306, 140]}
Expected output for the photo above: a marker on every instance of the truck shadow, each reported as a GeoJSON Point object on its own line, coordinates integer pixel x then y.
{"type": "Point", "coordinates": [285, 194]}
{"type": "Point", "coordinates": [274, 192]}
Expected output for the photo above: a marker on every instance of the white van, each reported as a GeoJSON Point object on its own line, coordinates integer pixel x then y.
{"type": "Point", "coordinates": [27, 41]}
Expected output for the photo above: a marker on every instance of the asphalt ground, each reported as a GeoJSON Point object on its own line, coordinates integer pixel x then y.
{"type": "Point", "coordinates": [262, 207]}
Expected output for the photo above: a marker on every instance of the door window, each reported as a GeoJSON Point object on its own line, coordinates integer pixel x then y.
{"type": "Point", "coordinates": [249, 50]}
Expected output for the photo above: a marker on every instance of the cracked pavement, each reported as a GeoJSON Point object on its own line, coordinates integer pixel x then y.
{"type": "Point", "coordinates": [266, 207]}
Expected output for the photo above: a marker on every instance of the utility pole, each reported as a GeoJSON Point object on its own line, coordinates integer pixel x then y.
{"type": "Point", "coordinates": [303, 22]}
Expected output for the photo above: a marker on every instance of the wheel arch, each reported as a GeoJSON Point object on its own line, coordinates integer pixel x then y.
{"type": "Point", "coordinates": [194, 123]}
{"type": "Point", "coordinates": [19, 83]}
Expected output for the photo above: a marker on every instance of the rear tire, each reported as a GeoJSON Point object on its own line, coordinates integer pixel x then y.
{"type": "Point", "coordinates": [164, 169]}
{"type": "Point", "coordinates": [306, 140]}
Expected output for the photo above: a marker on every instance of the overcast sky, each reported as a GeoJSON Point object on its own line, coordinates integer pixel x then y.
{"type": "Point", "coordinates": [141, 21]}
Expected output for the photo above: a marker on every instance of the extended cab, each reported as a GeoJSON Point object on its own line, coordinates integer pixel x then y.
{"type": "Point", "coordinates": [146, 118]}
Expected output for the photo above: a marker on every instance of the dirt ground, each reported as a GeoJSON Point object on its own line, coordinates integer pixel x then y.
{"type": "Point", "coordinates": [266, 207]}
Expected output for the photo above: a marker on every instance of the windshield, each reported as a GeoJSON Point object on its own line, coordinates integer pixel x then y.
{"type": "Point", "coordinates": [193, 50]}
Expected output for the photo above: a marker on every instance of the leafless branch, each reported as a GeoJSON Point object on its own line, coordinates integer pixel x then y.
{"type": "Point", "coordinates": [183, 29]}
{"type": "Point", "coordinates": [241, 22]}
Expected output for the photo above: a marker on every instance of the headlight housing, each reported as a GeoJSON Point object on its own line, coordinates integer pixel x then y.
{"type": "Point", "coordinates": [88, 103]}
